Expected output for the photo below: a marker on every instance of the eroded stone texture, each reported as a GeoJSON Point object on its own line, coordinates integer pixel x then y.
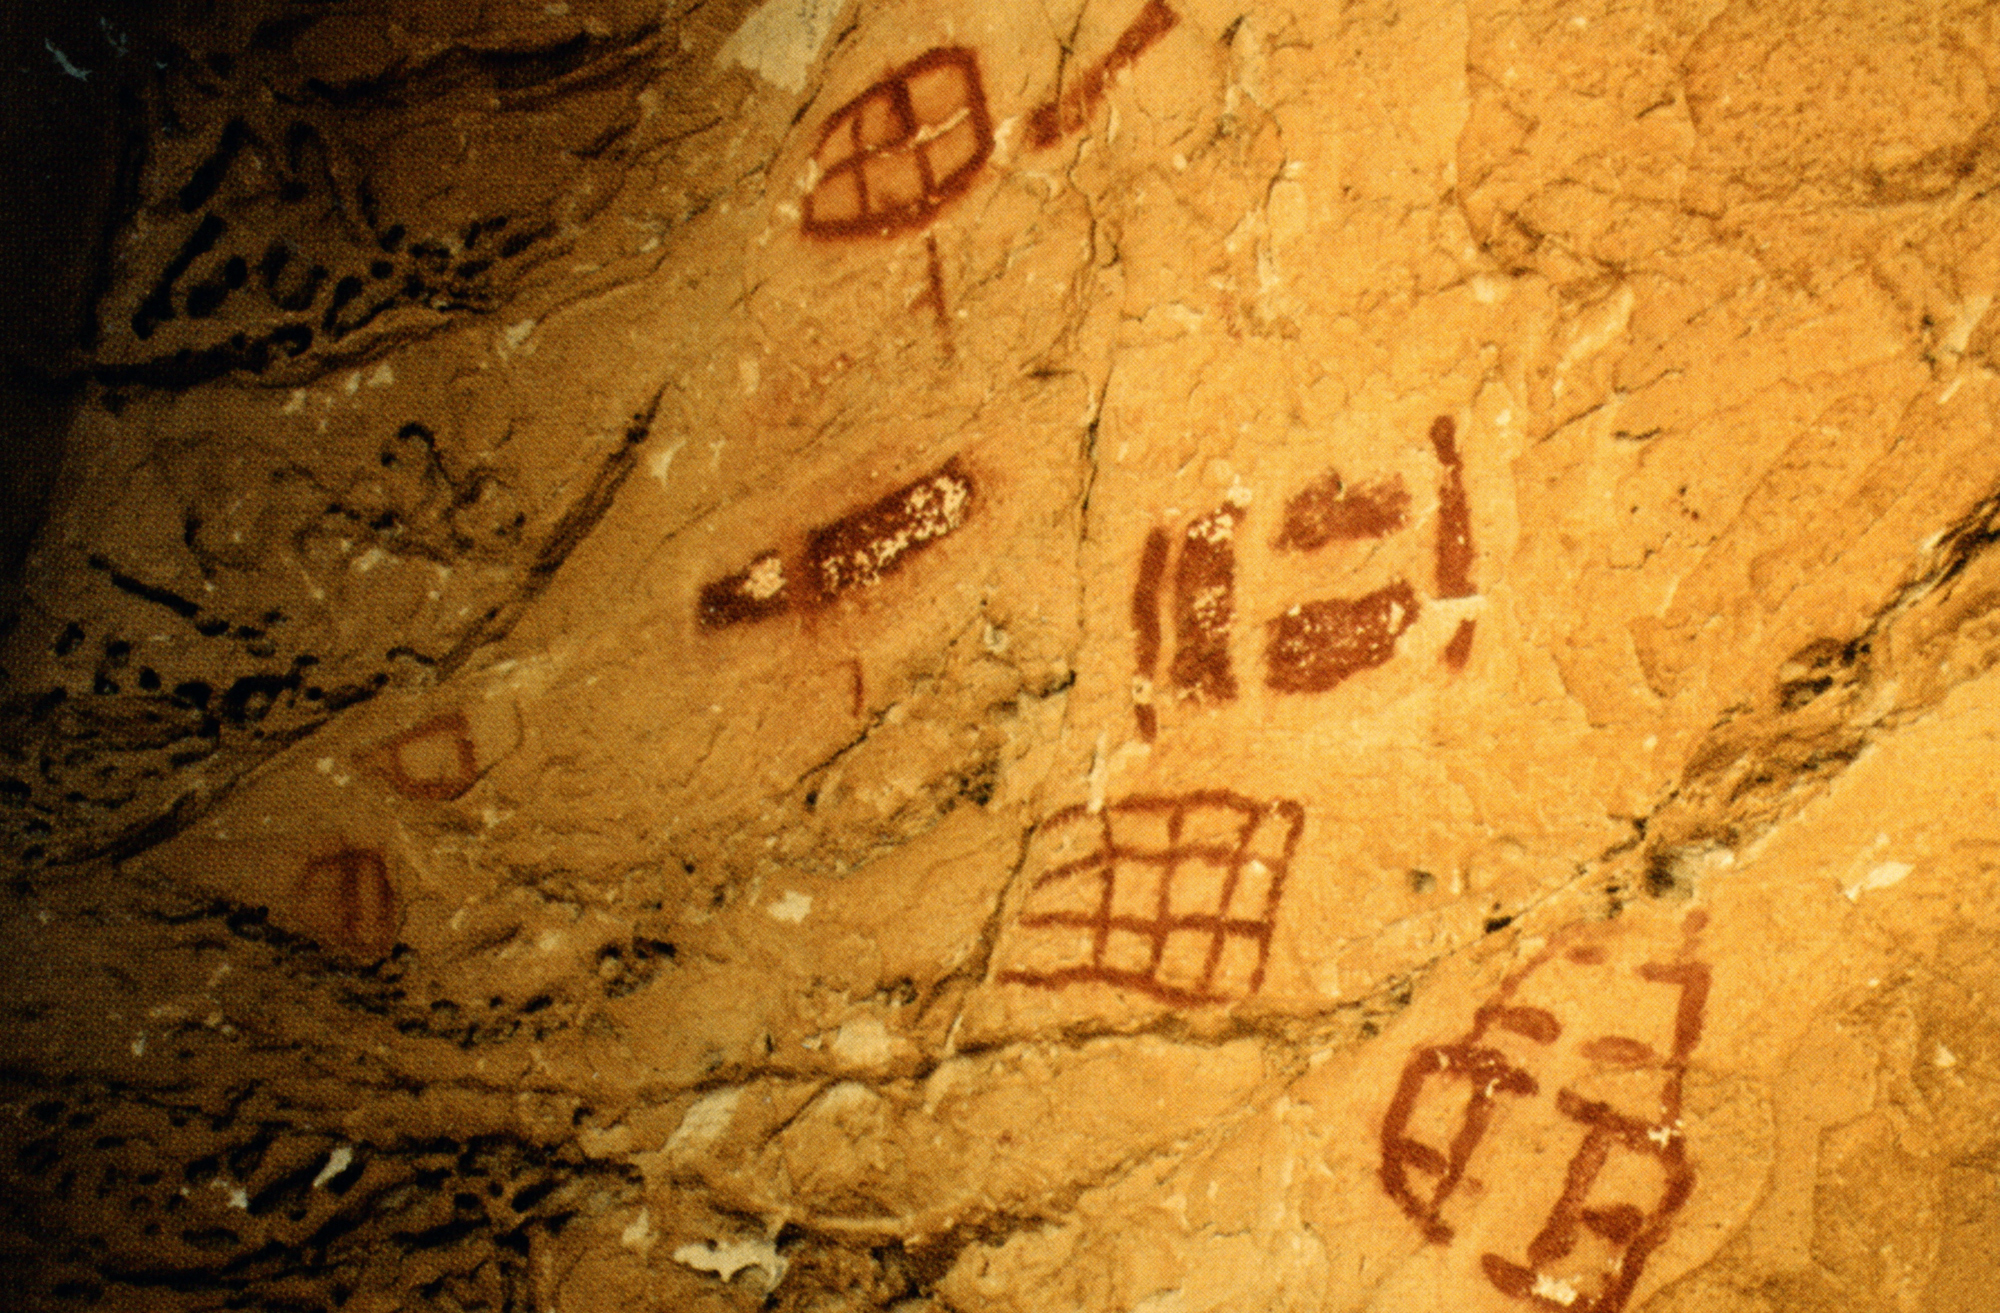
{"type": "Point", "coordinates": [963, 657]}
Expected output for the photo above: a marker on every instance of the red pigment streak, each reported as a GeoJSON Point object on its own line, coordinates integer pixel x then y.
{"type": "Point", "coordinates": [1071, 110]}
{"type": "Point", "coordinates": [858, 550]}
{"type": "Point", "coordinates": [346, 901]}
{"type": "Point", "coordinates": [1454, 544]}
{"type": "Point", "coordinates": [1459, 650]}
{"type": "Point", "coordinates": [1620, 1051]}
{"type": "Point", "coordinates": [1537, 1024]}
{"type": "Point", "coordinates": [756, 593]}
{"type": "Point", "coordinates": [1146, 622]}
{"type": "Point", "coordinates": [863, 547]}
{"type": "Point", "coordinates": [892, 157]}
{"type": "Point", "coordinates": [432, 761]}
{"type": "Point", "coordinates": [1205, 605]}
{"type": "Point", "coordinates": [1228, 828]}
{"type": "Point", "coordinates": [934, 294]}
{"type": "Point", "coordinates": [1328, 511]}
{"type": "Point", "coordinates": [1634, 1233]}
{"type": "Point", "coordinates": [1316, 645]}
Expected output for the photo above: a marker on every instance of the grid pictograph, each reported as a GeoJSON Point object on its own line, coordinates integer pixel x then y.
{"type": "Point", "coordinates": [1175, 896]}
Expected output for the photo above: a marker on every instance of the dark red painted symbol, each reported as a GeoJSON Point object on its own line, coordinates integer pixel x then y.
{"type": "Point", "coordinates": [1559, 1272]}
{"type": "Point", "coordinates": [432, 761]}
{"type": "Point", "coordinates": [892, 157]}
{"type": "Point", "coordinates": [1313, 646]}
{"type": "Point", "coordinates": [345, 900]}
{"type": "Point", "coordinates": [1175, 898]}
{"type": "Point", "coordinates": [856, 551]}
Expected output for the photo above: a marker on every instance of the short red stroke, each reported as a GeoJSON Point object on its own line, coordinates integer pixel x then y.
{"type": "Point", "coordinates": [1071, 109]}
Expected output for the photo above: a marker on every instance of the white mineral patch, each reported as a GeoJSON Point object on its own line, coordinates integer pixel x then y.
{"type": "Point", "coordinates": [864, 1041]}
{"type": "Point", "coordinates": [705, 1121]}
{"type": "Point", "coordinates": [794, 907]}
{"type": "Point", "coordinates": [767, 577]}
{"type": "Point", "coordinates": [337, 1162]}
{"type": "Point", "coordinates": [727, 1258]}
{"type": "Point", "coordinates": [1881, 876]}
{"type": "Point", "coordinates": [639, 1235]}
{"type": "Point", "coordinates": [781, 40]}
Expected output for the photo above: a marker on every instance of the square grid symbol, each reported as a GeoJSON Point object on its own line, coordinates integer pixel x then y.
{"type": "Point", "coordinates": [1174, 896]}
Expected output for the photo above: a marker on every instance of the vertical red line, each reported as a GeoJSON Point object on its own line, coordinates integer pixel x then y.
{"type": "Point", "coordinates": [1146, 622]}
{"type": "Point", "coordinates": [1454, 544]}
{"type": "Point", "coordinates": [1101, 933]}
{"type": "Point", "coordinates": [1459, 650]}
{"type": "Point", "coordinates": [1205, 605]}
{"type": "Point", "coordinates": [1228, 892]}
{"type": "Point", "coordinates": [1164, 901]}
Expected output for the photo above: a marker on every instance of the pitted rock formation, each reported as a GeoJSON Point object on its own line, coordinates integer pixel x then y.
{"type": "Point", "coordinates": [938, 656]}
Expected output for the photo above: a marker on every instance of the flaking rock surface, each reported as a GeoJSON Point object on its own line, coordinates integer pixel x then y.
{"type": "Point", "coordinates": [1149, 656]}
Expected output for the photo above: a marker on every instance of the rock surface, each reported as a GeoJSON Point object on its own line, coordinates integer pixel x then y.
{"type": "Point", "coordinates": [1141, 657]}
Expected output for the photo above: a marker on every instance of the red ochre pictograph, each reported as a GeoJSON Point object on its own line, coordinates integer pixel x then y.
{"type": "Point", "coordinates": [1071, 110]}
{"type": "Point", "coordinates": [1175, 898]}
{"type": "Point", "coordinates": [1316, 645]}
{"type": "Point", "coordinates": [892, 157]}
{"type": "Point", "coordinates": [432, 761]}
{"type": "Point", "coordinates": [1588, 1255]}
{"type": "Point", "coordinates": [345, 900]}
{"type": "Point", "coordinates": [858, 550]}
{"type": "Point", "coordinates": [1454, 543]}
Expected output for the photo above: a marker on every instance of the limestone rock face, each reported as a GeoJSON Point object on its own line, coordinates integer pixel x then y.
{"type": "Point", "coordinates": [1143, 656]}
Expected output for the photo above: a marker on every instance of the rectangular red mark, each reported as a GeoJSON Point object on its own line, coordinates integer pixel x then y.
{"type": "Point", "coordinates": [1329, 511]}
{"type": "Point", "coordinates": [860, 549]}
{"type": "Point", "coordinates": [756, 593]}
{"type": "Point", "coordinates": [1454, 545]}
{"type": "Point", "coordinates": [1316, 645]}
{"type": "Point", "coordinates": [1205, 605]}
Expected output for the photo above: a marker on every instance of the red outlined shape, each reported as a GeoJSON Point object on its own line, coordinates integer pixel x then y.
{"type": "Point", "coordinates": [1176, 898]}
{"type": "Point", "coordinates": [1071, 110]}
{"type": "Point", "coordinates": [345, 900]}
{"type": "Point", "coordinates": [896, 154]}
{"type": "Point", "coordinates": [1630, 1232]}
{"type": "Point", "coordinates": [432, 761]}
